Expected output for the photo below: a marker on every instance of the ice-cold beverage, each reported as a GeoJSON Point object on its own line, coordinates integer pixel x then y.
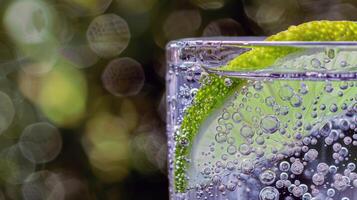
{"type": "Point", "coordinates": [287, 130]}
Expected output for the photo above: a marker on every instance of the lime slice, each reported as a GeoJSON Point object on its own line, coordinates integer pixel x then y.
{"type": "Point", "coordinates": [218, 100]}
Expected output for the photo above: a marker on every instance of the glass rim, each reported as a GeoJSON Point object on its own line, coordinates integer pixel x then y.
{"type": "Point", "coordinates": [255, 41]}
{"type": "Point", "coordinates": [183, 50]}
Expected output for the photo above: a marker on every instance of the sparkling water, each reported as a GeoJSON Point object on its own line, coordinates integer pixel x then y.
{"type": "Point", "coordinates": [288, 132]}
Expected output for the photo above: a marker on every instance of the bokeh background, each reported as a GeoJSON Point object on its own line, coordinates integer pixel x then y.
{"type": "Point", "coordinates": [82, 87]}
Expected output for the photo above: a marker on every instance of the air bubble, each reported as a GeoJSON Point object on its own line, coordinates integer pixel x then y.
{"type": "Point", "coordinates": [351, 166]}
{"type": "Point", "coordinates": [228, 82]}
{"type": "Point", "coordinates": [322, 168]}
{"type": "Point", "coordinates": [244, 149]}
{"type": "Point", "coordinates": [284, 166]}
{"type": "Point", "coordinates": [231, 149]}
{"type": "Point", "coordinates": [237, 117]}
{"type": "Point", "coordinates": [330, 192]}
{"type": "Point", "coordinates": [269, 193]}
{"type": "Point", "coordinates": [286, 92]}
{"type": "Point", "coordinates": [295, 100]}
{"type": "Point", "coordinates": [270, 124]}
{"type": "Point", "coordinates": [315, 63]}
{"type": "Point", "coordinates": [311, 155]}
{"type": "Point", "coordinates": [270, 101]}
{"type": "Point", "coordinates": [267, 177]}
{"type": "Point", "coordinates": [333, 108]}
{"type": "Point", "coordinates": [246, 131]}
{"type": "Point", "coordinates": [318, 179]}
{"type": "Point", "coordinates": [297, 167]}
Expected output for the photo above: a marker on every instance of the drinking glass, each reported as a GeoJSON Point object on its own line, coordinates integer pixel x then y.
{"type": "Point", "coordinates": [249, 119]}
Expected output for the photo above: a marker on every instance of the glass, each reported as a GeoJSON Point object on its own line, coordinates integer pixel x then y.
{"type": "Point", "coordinates": [280, 122]}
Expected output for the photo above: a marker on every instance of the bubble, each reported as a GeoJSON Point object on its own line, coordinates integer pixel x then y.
{"type": "Point", "coordinates": [295, 100]}
{"type": "Point", "coordinates": [311, 155]}
{"type": "Point", "coordinates": [284, 166]}
{"type": "Point", "coordinates": [108, 35]}
{"type": "Point", "coordinates": [220, 137]}
{"type": "Point", "coordinates": [270, 124]}
{"type": "Point", "coordinates": [267, 177]}
{"type": "Point", "coordinates": [344, 124]}
{"type": "Point", "coordinates": [269, 193]}
{"type": "Point", "coordinates": [237, 117]}
{"type": "Point", "coordinates": [228, 82]}
{"type": "Point", "coordinates": [333, 108]}
{"type": "Point", "coordinates": [325, 130]}
{"type": "Point", "coordinates": [223, 27]}
{"type": "Point", "coordinates": [270, 101]}
{"type": "Point", "coordinates": [29, 22]}
{"type": "Point", "coordinates": [286, 92]}
{"type": "Point", "coordinates": [14, 166]}
{"type": "Point", "coordinates": [322, 168]}
{"type": "Point", "coordinates": [318, 179]}
{"type": "Point", "coordinates": [341, 182]}
{"type": "Point", "coordinates": [297, 191]}
{"type": "Point", "coordinates": [315, 63]}
{"type": "Point", "coordinates": [40, 142]}
{"type": "Point", "coordinates": [123, 77]}
{"type": "Point", "coordinates": [246, 131]}
{"type": "Point", "coordinates": [244, 149]}
{"type": "Point", "coordinates": [328, 87]}
{"type": "Point", "coordinates": [351, 166]}
{"type": "Point", "coordinates": [332, 169]}
{"type": "Point", "coordinates": [297, 167]}
{"type": "Point", "coordinates": [7, 113]}
{"type": "Point", "coordinates": [330, 53]}
{"type": "Point", "coordinates": [306, 196]}
{"type": "Point", "coordinates": [231, 149]}
{"type": "Point", "coordinates": [43, 185]}
{"type": "Point", "coordinates": [330, 192]}
{"type": "Point", "coordinates": [247, 166]}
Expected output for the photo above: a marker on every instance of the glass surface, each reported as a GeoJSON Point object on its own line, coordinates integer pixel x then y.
{"type": "Point", "coordinates": [286, 131]}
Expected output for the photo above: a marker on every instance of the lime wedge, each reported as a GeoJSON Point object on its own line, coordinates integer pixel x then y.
{"type": "Point", "coordinates": [217, 100]}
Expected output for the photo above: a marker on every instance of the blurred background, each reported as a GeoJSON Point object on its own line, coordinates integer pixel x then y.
{"type": "Point", "coordinates": [82, 87]}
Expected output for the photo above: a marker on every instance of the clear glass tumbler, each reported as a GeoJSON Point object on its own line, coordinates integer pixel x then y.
{"type": "Point", "coordinates": [256, 120]}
